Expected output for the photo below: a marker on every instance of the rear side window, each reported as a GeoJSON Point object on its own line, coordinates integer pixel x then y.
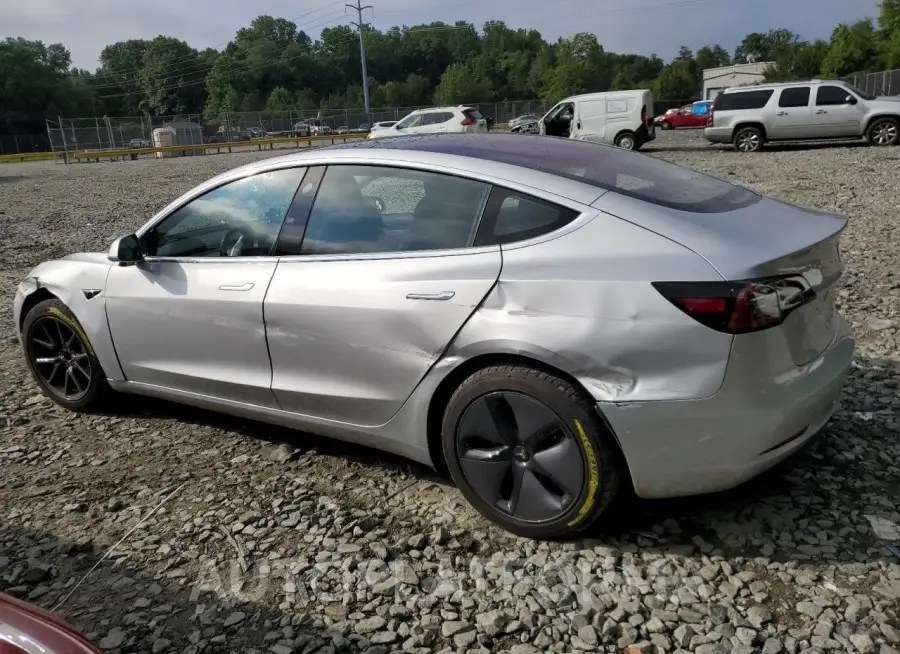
{"type": "Point", "coordinates": [794, 97]}
{"type": "Point", "coordinates": [742, 100]}
{"type": "Point", "coordinates": [510, 216]}
{"type": "Point", "coordinates": [474, 114]}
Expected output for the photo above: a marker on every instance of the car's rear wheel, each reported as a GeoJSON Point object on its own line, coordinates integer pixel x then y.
{"type": "Point", "coordinates": [883, 131]}
{"type": "Point", "coordinates": [748, 139]}
{"type": "Point", "coordinates": [530, 451]}
{"type": "Point", "coordinates": [626, 141]}
{"type": "Point", "coordinates": [665, 124]}
{"type": "Point", "coordinates": [61, 359]}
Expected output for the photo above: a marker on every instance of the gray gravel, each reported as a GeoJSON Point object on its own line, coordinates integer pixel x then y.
{"type": "Point", "coordinates": [274, 541]}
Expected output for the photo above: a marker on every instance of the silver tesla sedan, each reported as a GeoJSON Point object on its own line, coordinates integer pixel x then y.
{"type": "Point", "coordinates": [549, 320]}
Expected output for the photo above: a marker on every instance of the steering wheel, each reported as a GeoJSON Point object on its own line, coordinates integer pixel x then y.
{"type": "Point", "coordinates": [234, 241]}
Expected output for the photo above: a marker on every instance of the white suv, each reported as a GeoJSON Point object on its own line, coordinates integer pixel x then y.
{"type": "Point", "coordinates": [436, 120]}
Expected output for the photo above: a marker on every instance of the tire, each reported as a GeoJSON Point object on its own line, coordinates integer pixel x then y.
{"type": "Point", "coordinates": [883, 131]}
{"type": "Point", "coordinates": [46, 326]}
{"type": "Point", "coordinates": [626, 141]}
{"type": "Point", "coordinates": [575, 447]}
{"type": "Point", "coordinates": [748, 139]}
{"type": "Point", "coordinates": [665, 125]}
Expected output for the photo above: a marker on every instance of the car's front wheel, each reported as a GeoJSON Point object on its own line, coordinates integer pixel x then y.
{"type": "Point", "coordinates": [665, 124]}
{"type": "Point", "coordinates": [61, 359]}
{"type": "Point", "coordinates": [529, 451]}
{"type": "Point", "coordinates": [883, 131]}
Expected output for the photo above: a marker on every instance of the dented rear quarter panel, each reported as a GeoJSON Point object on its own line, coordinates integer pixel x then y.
{"type": "Point", "coordinates": [68, 279]}
{"type": "Point", "coordinates": [586, 298]}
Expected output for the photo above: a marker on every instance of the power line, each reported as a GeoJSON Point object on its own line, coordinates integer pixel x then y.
{"type": "Point", "coordinates": [323, 21]}
{"type": "Point", "coordinates": [362, 49]}
{"type": "Point", "coordinates": [248, 69]}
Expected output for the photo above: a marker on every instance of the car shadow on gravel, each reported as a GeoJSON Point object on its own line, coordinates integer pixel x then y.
{"type": "Point", "coordinates": [787, 146]}
{"type": "Point", "coordinates": [789, 513]}
{"type": "Point", "coordinates": [123, 609]}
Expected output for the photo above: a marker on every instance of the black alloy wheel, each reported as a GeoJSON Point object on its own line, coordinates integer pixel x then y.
{"type": "Point", "coordinates": [520, 457]}
{"type": "Point", "coordinates": [60, 358]}
{"type": "Point", "coordinates": [530, 451]}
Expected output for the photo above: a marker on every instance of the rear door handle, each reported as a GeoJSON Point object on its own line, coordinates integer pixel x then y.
{"type": "Point", "coordinates": [782, 113]}
{"type": "Point", "coordinates": [236, 287]}
{"type": "Point", "coordinates": [443, 295]}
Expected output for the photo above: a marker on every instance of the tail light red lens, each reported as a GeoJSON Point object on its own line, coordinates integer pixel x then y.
{"type": "Point", "coordinates": [644, 114]}
{"type": "Point", "coordinates": [709, 121]}
{"type": "Point", "coordinates": [467, 121]}
{"type": "Point", "coordinates": [739, 307]}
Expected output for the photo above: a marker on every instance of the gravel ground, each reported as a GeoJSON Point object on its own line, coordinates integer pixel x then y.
{"type": "Point", "coordinates": [273, 541]}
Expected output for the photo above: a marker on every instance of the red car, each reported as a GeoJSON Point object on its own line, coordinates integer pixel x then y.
{"type": "Point", "coordinates": [27, 629]}
{"type": "Point", "coordinates": [690, 115]}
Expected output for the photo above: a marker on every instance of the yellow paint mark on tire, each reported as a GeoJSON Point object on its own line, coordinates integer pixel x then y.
{"type": "Point", "coordinates": [593, 476]}
{"type": "Point", "coordinates": [56, 313]}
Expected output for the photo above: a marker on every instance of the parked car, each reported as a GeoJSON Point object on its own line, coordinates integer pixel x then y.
{"type": "Point", "coordinates": [139, 143]}
{"type": "Point", "coordinates": [620, 118]}
{"type": "Point", "coordinates": [26, 628]}
{"type": "Point", "coordinates": [436, 120]}
{"type": "Point", "coordinates": [524, 118]}
{"type": "Point", "coordinates": [319, 127]}
{"type": "Point", "coordinates": [383, 125]}
{"type": "Point", "coordinates": [255, 132]}
{"type": "Point", "coordinates": [301, 128]}
{"type": "Point", "coordinates": [550, 328]}
{"type": "Point", "coordinates": [692, 115]}
{"type": "Point", "coordinates": [216, 138]}
{"type": "Point", "coordinates": [363, 127]}
{"type": "Point", "coordinates": [748, 117]}
{"type": "Point", "coordinates": [343, 129]}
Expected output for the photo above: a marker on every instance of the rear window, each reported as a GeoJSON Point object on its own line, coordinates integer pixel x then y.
{"type": "Point", "coordinates": [474, 114]}
{"type": "Point", "coordinates": [742, 100]}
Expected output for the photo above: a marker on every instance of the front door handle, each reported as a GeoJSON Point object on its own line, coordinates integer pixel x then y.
{"type": "Point", "coordinates": [821, 111]}
{"type": "Point", "coordinates": [443, 295]}
{"type": "Point", "coordinates": [236, 287]}
{"type": "Point", "coordinates": [782, 113]}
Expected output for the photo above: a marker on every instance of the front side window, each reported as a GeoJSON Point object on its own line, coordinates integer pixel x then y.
{"type": "Point", "coordinates": [369, 209]}
{"type": "Point", "coordinates": [797, 96]}
{"type": "Point", "coordinates": [827, 96]}
{"type": "Point", "coordinates": [240, 218]}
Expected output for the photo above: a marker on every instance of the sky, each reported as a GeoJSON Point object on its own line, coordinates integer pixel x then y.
{"type": "Point", "coordinates": [624, 26]}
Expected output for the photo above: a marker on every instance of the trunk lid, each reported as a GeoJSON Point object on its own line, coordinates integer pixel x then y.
{"type": "Point", "coordinates": [767, 238]}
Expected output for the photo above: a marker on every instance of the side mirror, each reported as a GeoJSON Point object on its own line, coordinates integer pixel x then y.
{"type": "Point", "coordinates": [125, 249]}
{"type": "Point", "coordinates": [851, 99]}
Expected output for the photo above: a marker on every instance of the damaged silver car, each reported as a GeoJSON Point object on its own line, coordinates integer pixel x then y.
{"type": "Point", "coordinates": [549, 320]}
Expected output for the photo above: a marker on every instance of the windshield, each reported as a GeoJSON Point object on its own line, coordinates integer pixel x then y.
{"type": "Point", "coordinates": [862, 94]}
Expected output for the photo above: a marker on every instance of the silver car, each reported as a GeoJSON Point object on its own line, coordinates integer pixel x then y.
{"type": "Point", "coordinates": [748, 117]}
{"type": "Point", "coordinates": [549, 320]}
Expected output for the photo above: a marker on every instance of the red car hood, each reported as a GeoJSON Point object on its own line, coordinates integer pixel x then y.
{"type": "Point", "coordinates": [28, 629]}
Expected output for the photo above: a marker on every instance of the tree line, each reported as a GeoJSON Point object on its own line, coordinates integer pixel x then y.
{"type": "Point", "coordinates": [272, 65]}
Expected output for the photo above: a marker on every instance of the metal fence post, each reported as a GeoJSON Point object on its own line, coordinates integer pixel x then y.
{"type": "Point", "coordinates": [62, 133]}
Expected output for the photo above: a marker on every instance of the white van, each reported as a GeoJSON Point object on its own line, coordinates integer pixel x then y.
{"type": "Point", "coordinates": [620, 118]}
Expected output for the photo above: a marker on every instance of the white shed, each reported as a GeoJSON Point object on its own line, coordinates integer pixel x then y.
{"type": "Point", "coordinates": [716, 80]}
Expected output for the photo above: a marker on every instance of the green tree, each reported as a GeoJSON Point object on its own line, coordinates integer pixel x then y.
{"type": "Point", "coordinates": [33, 84]}
{"type": "Point", "coordinates": [463, 82]}
{"type": "Point", "coordinates": [889, 33]}
{"type": "Point", "coordinates": [760, 47]}
{"type": "Point", "coordinates": [172, 78]}
{"type": "Point", "coordinates": [853, 49]}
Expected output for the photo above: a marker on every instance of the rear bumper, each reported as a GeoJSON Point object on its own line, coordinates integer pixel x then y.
{"type": "Point", "coordinates": [717, 134]}
{"type": "Point", "coordinates": [693, 447]}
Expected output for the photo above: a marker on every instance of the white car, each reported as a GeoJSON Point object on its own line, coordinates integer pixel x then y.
{"type": "Point", "coordinates": [436, 120]}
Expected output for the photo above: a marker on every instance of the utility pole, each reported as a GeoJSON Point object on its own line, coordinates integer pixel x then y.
{"type": "Point", "coordinates": [358, 8]}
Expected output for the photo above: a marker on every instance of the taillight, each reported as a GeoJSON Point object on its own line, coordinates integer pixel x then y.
{"type": "Point", "coordinates": [709, 121]}
{"type": "Point", "coordinates": [644, 114]}
{"type": "Point", "coordinates": [739, 307]}
{"type": "Point", "coordinates": [467, 121]}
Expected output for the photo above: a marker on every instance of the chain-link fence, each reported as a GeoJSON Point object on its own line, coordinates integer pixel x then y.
{"type": "Point", "coordinates": [885, 82]}
{"type": "Point", "coordinates": [122, 132]}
